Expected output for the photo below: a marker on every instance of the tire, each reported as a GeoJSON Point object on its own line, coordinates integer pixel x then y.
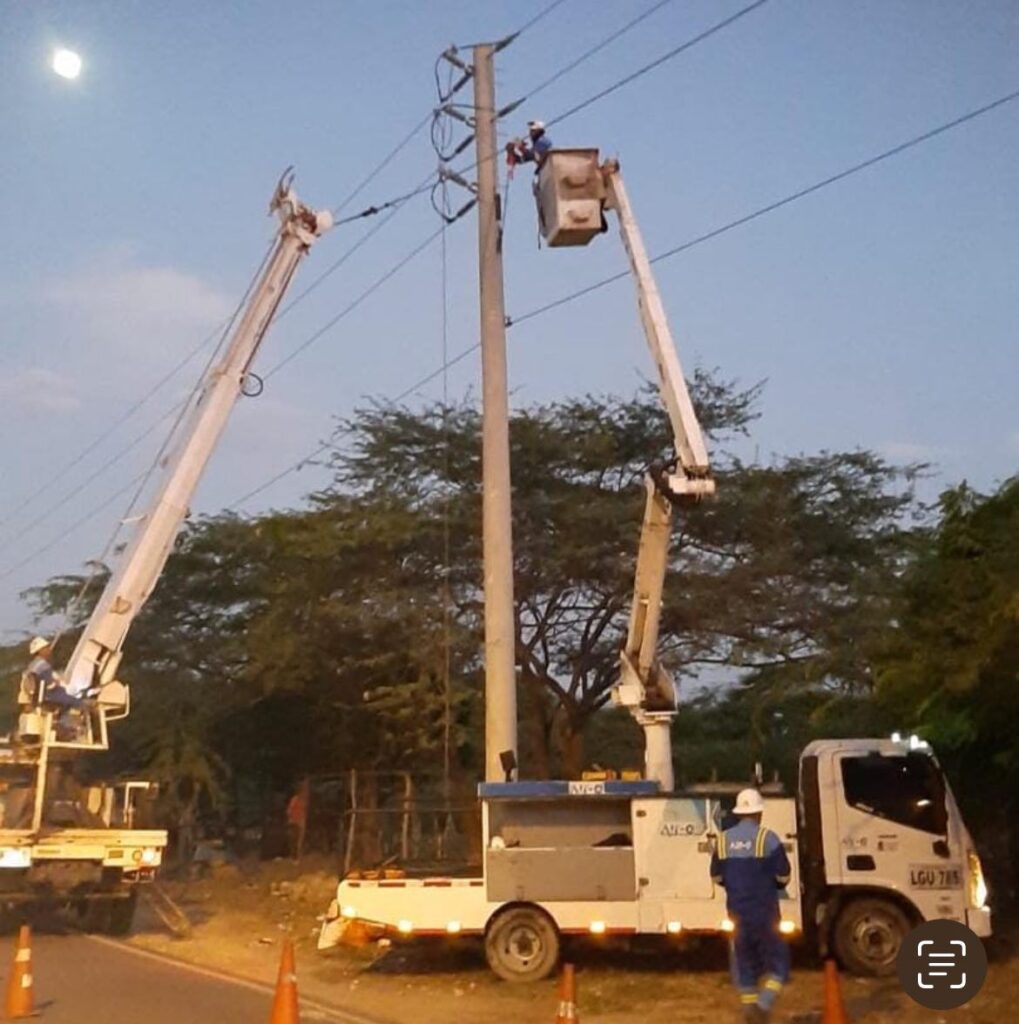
{"type": "Point", "coordinates": [522, 944]}
{"type": "Point", "coordinates": [121, 914]}
{"type": "Point", "coordinates": [868, 935]}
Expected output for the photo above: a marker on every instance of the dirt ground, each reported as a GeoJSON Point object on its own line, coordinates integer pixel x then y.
{"type": "Point", "coordinates": [240, 915]}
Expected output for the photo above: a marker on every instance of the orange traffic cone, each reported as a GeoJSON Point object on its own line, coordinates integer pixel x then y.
{"type": "Point", "coordinates": [834, 1011]}
{"type": "Point", "coordinates": [20, 1002]}
{"type": "Point", "coordinates": [284, 1003]}
{"type": "Point", "coordinates": [567, 997]}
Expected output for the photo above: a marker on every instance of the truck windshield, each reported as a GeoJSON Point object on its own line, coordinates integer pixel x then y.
{"type": "Point", "coordinates": [908, 789]}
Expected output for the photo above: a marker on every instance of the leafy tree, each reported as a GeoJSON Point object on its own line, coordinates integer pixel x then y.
{"type": "Point", "coordinates": [950, 668]}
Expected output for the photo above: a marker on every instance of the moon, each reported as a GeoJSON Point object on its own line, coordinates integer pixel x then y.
{"type": "Point", "coordinates": [66, 63]}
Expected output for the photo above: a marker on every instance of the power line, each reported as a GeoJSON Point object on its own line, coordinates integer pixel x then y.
{"type": "Point", "coordinates": [110, 430]}
{"type": "Point", "coordinates": [89, 480]}
{"type": "Point", "coordinates": [597, 48]}
{"type": "Point", "coordinates": [675, 52]}
{"type": "Point", "coordinates": [351, 306]}
{"type": "Point", "coordinates": [425, 185]}
{"type": "Point", "coordinates": [384, 163]}
{"type": "Point", "coordinates": [543, 13]}
{"type": "Point", "coordinates": [219, 331]}
{"type": "Point", "coordinates": [77, 524]}
{"type": "Point", "coordinates": [683, 247]}
{"type": "Point", "coordinates": [778, 204]}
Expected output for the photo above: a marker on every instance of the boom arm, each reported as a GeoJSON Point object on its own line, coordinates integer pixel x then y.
{"type": "Point", "coordinates": [97, 655]}
{"type": "Point", "coordinates": [645, 688]}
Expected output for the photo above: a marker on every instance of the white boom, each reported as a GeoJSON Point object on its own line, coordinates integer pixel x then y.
{"type": "Point", "coordinates": [572, 191]}
{"type": "Point", "coordinates": [96, 657]}
{"type": "Point", "coordinates": [645, 688]}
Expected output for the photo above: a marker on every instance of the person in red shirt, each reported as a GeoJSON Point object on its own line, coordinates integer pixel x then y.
{"type": "Point", "coordinates": [297, 820]}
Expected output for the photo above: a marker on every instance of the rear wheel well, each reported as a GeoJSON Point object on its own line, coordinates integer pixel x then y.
{"type": "Point", "coordinates": [517, 905]}
{"type": "Point", "coordinates": [845, 895]}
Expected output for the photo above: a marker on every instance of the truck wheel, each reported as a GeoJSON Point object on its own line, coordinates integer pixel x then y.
{"type": "Point", "coordinates": [121, 914]}
{"type": "Point", "coordinates": [522, 944]}
{"type": "Point", "coordinates": [868, 936]}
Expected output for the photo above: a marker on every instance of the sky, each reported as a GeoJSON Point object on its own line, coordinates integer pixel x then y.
{"type": "Point", "coordinates": [881, 311]}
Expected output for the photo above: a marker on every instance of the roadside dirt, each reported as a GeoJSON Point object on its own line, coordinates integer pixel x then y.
{"type": "Point", "coordinates": [241, 914]}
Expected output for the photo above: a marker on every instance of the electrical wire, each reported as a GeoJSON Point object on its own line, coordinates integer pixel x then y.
{"type": "Point", "coordinates": [67, 531]}
{"type": "Point", "coordinates": [382, 164]}
{"type": "Point", "coordinates": [351, 306]}
{"type": "Point", "coordinates": [110, 430]}
{"type": "Point", "coordinates": [673, 53]}
{"type": "Point", "coordinates": [682, 247]}
{"type": "Point", "coordinates": [793, 197]}
{"type": "Point", "coordinates": [597, 48]}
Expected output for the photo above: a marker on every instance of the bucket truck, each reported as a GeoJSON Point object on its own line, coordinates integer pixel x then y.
{"type": "Point", "coordinates": [60, 844]}
{"type": "Point", "coordinates": [874, 835]}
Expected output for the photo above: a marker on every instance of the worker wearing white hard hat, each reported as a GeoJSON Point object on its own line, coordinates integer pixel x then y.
{"type": "Point", "coordinates": [750, 862]}
{"type": "Point", "coordinates": [533, 149]}
{"type": "Point", "coordinates": [41, 686]}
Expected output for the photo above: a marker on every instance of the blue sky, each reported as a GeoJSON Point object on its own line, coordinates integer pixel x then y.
{"type": "Point", "coordinates": [882, 311]}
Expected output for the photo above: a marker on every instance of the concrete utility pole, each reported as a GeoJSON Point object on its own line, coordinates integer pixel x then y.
{"type": "Point", "coordinates": [500, 634]}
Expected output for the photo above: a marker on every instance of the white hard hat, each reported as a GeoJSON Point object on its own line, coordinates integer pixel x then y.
{"type": "Point", "coordinates": [749, 801]}
{"type": "Point", "coordinates": [37, 644]}
{"type": "Point", "coordinates": [539, 125]}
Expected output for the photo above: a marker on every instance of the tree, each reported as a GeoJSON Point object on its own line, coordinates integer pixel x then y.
{"type": "Point", "coordinates": [950, 666]}
{"type": "Point", "coordinates": [786, 575]}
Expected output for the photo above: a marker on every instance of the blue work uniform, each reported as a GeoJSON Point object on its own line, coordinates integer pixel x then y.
{"type": "Point", "coordinates": [47, 688]}
{"type": "Point", "coordinates": [751, 864]}
{"type": "Point", "coordinates": [536, 151]}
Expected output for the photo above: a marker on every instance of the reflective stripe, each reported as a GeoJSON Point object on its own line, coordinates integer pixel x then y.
{"type": "Point", "coordinates": [762, 838]}
{"type": "Point", "coordinates": [721, 843]}
{"type": "Point", "coordinates": [748, 998]}
{"type": "Point", "coordinates": [773, 984]}
{"type": "Point", "coordinates": [782, 879]}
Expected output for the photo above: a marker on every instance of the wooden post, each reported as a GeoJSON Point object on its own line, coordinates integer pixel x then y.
{"type": "Point", "coordinates": [408, 790]}
{"type": "Point", "coordinates": [352, 827]}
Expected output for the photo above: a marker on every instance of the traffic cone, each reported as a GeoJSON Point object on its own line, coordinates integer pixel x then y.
{"type": "Point", "coordinates": [284, 1003]}
{"type": "Point", "coordinates": [20, 1002]}
{"type": "Point", "coordinates": [567, 997]}
{"type": "Point", "coordinates": [834, 1011]}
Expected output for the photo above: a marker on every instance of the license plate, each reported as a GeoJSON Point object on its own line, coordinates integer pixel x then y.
{"type": "Point", "coordinates": [935, 876]}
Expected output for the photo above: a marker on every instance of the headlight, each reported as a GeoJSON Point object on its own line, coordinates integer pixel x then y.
{"type": "Point", "coordinates": [149, 855]}
{"type": "Point", "coordinates": [977, 885]}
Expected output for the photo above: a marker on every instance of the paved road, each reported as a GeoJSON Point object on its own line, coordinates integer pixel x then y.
{"type": "Point", "coordinates": [81, 980]}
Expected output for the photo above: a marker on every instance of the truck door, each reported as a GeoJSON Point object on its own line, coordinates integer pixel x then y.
{"type": "Point", "coordinates": [780, 817]}
{"type": "Point", "coordinates": [895, 830]}
{"type": "Point", "coordinates": [673, 863]}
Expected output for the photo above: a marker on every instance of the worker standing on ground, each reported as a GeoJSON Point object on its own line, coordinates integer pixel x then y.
{"type": "Point", "coordinates": [533, 149]}
{"type": "Point", "coordinates": [751, 864]}
{"type": "Point", "coordinates": [297, 819]}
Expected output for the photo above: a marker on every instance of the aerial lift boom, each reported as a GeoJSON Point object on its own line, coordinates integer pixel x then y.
{"type": "Point", "coordinates": [96, 657]}
{"type": "Point", "coordinates": [573, 190]}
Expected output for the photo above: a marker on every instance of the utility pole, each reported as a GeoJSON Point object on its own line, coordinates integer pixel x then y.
{"type": "Point", "coordinates": [497, 525]}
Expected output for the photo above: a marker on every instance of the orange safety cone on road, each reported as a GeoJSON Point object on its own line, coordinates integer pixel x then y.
{"type": "Point", "coordinates": [834, 1011]}
{"type": "Point", "coordinates": [284, 1003]}
{"type": "Point", "coordinates": [567, 997]}
{"type": "Point", "coordinates": [20, 1002]}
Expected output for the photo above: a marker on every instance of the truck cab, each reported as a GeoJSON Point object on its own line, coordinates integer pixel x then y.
{"type": "Point", "coordinates": [883, 847]}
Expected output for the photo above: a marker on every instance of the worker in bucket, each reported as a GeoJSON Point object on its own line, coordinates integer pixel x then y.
{"type": "Point", "coordinates": [533, 149]}
{"type": "Point", "coordinates": [42, 687]}
{"type": "Point", "coordinates": [751, 864]}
